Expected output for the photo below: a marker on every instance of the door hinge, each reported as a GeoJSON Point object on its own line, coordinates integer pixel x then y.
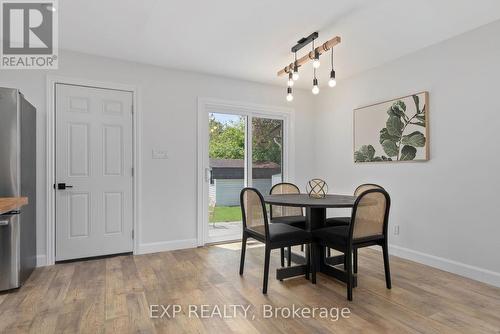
{"type": "Point", "coordinates": [132, 109]}
{"type": "Point", "coordinates": [133, 234]}
{"type": "Point", "coordinates": [132, 171]}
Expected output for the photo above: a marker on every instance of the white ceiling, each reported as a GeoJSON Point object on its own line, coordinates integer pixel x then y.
{"type": "Point", "coordinates": [252, 39]}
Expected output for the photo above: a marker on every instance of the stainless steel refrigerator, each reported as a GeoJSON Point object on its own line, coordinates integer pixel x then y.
{"type": "Point", "coordinates": [17, 178]}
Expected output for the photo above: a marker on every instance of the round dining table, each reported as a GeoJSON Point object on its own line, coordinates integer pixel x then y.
{"type": "Point", "coordinates": [315, 209]}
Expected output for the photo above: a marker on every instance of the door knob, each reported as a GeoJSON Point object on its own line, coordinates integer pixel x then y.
{"type": "Point", "coordinates": [62, 186]}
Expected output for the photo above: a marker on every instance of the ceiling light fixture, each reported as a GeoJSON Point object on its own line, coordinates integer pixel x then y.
{"type": "Point", "coordinates": [316, 62]}
{"type": "Point", "coordinates": [292, 70]}
{"type": "Point", "coordinates": [332, 82]}
{"type": "Point", "coordinates": [315, 89]}
{"type": "Point", "coordinates": [290, 80]}
{"type": "Point", "coordinates": [295, 75]}
{"type": "Point", "coordinates": [289, 96]}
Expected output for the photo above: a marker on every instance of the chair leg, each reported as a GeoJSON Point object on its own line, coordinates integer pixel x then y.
{"type": "Point", "coordinates": [266, 269]}
{"type": "Point", "coordinates": [328, 252]}
{"type": "Point", "coordinates": [313, 265]}
{"type": "Point", "coordinates": [355, 260]}
{"type": "Point", "coordinates": [385, 250]}
{"type": "Point", "coordinates": [308, 261]}
{"type": "Point", "coordinates": [301, 248]}
{"type": "Point", "coordinates": [289, 256]}
{"type": "Point", "coordinates": [243, 250]}
{"type": "Point", "coordinates": [282, 255]}
{"type": "Point", "coordinates": [348, 262]}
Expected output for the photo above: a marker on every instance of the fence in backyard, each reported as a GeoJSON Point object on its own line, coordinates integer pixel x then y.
{"type": "Point", "coordinates": [226, 192]}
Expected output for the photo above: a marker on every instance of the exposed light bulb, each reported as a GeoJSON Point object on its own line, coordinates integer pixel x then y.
{"type": "Point", "coordinates": [290, 80]}
{"type": "Point", "coordinates": [289, 96]}
{"type": "Point", "coordinates": [316, 62]}
{"type": "Point", "coordinates": [332, 82]}
{"type": "Point", "coordinates": [315, 89]}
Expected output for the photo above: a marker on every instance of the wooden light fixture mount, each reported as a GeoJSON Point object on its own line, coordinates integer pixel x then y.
{"type": "Point", "coordinates": [310, 55]}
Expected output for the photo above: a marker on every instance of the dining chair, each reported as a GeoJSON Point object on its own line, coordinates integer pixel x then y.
{"type": "Point", "coordinates": [368, 227]}
{"type": "Point", "coordinates": [286, 214]}
{"type": "Point", "coordinates": [274, 236]}
{"type": "Point", "coordinates": [336, 221]}
{"type": "Point", "coordinates": [339, 221]}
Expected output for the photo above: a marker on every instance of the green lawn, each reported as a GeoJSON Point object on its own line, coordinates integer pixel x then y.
{"type": "Point", "coordinates": [226, 214]}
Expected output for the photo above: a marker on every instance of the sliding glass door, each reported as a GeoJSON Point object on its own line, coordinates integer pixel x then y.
{"type": "Point", "coordinates": [244, 149]}
{"type": "Point", "coordinates": [267, 153]}
{"type": "Point", "coordinates": [227, 175]}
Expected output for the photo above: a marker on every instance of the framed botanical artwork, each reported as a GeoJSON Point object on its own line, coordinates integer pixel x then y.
{"type": "Point", "coordinates": [395, 130]}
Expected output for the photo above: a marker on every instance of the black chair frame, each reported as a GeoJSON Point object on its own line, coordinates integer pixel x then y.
{"type": "Point", "coordinates": [289, 250]}
{"type": "Point", "coordinates": [248, 233]}
{"type": "Point", "coordinates": [355, 252]}
{"type": "Point", "coordinates": [368, 184]}
{"type": "Point", "coordinates": [354, 245]}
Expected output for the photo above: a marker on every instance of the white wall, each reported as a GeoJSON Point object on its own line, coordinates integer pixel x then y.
{"type": "Point", "coordinates": [447, 208]}
{"type": "Point", "coordinates": [168, 103]}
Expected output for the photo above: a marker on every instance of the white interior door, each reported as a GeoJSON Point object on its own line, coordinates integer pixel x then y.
{"type": "Point", "coordinates": [94, 213]}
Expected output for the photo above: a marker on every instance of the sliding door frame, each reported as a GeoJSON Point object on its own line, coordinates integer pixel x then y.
{"type": "Point", "coordinates": [249, 110]}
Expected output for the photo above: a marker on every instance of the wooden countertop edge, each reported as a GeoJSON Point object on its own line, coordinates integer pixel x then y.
{"type": "Point", "coordinates": [12, 203]}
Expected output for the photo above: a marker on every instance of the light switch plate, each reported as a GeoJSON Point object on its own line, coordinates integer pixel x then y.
{"type": "Point", "coordinates": [396, 229]}
{"type": "Point", "coordinates": [160, 154]}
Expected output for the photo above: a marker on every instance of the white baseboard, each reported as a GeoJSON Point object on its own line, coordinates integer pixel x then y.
{"type": "Point", "coordinates": [41, 260]}
{"type": "Point", "coordinates": [462, 269]}
{"type": "Point", "coordinates": [155, 247]}
{"type": "Point", "coordinates": [145, 248]}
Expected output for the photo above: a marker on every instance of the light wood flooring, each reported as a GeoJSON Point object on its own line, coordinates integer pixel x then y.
{"type": "Point", "coordinates": [113, 295]}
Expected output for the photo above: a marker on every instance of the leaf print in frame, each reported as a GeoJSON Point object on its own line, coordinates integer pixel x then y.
{"type": "Point", "coordinates": [395, 130]}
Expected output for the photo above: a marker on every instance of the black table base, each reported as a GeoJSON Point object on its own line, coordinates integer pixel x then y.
{"type": "Point", "coordinates": [328, 268]}
{"type": "Point", "coordinates": [327, 265]}
{"type": "Point", "coordinates": [293, 271]}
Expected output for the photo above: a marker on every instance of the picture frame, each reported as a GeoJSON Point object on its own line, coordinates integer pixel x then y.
{"type": "Point", "coordinates": [395, 130]}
